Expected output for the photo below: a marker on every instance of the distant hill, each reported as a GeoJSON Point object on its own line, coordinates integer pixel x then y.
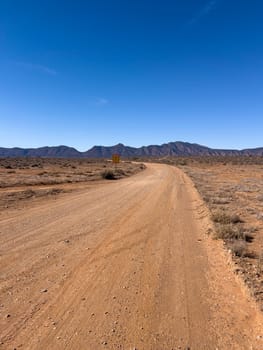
{"type": "Point", "coordinates": [168, 149]}
{"type": "Point", "coordinates": [45, 152]}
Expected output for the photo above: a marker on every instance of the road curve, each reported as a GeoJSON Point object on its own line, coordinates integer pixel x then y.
{"type": "Point", "coordinates": [121, 265]}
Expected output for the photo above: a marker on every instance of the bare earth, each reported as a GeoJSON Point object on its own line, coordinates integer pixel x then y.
{"type": "Point", "coordinates": [121, 265]}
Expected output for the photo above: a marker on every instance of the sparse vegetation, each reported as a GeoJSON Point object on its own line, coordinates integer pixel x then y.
{"type": "Point", "coordinates": [230, 231]}
{"type": "Point", "coordinates": [260, 262]}
{"type": "Point", "coordinates": [222, 217]}
{"type": "Point", "coordinates": [232, 190]}
{"type": "Point", "coordinates": [42, 176]}
{"type": "Point", "coordinates": [238, 247]}
{"type": "Point", "coordinates": [108, 174]}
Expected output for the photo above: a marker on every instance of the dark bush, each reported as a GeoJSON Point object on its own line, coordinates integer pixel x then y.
{"type": "Point", "coordinates": [108, 175]}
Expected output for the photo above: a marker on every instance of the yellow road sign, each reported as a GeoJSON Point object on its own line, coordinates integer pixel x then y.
{"type": "Point", "coordinates": [115, 158]}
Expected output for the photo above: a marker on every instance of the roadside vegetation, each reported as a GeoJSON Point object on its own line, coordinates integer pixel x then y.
{"type": "Point", "coordinates": [232, 188]}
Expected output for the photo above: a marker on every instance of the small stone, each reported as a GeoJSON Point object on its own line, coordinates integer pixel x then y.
{"type": "Point", "coordinates": [8, 315]}
{"type": "Point", "coordinates": [104, 343]}
{"type": "Point", "coordinates": [66, 240]}
{"type": "Point", "coordinates": [43, 290]}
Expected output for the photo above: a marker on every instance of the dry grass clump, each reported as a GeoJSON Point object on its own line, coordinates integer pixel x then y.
{"type": "Point", "coordinates": [219, 200]}
{"type": "Point", "coordinates": [120, 172]}
{"type": "Point", "coordinates": [260, 262]}
{"type": "Point", "coordinates": [221, 217]}
{"type": "Point", "coordinates": [230, 232]}
{"type": "Point", "coordinates": [229, 228]}
{"type": "Point", "coordinates": [239, 248]}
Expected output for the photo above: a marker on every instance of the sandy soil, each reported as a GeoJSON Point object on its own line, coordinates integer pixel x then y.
{"type": "Point", "coordinates": [121, 265]}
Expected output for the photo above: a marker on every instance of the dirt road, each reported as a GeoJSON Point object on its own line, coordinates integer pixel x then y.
{"type": "Point", "coordinates": [122, 265]}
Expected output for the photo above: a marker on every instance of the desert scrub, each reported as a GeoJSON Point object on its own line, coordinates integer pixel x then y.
{"type": "Point", "coordinates": [108, 175]}
{"type": "Point", "coordinates": [219, 200]}
{"type": "Point", "coordinates": [119, 172]}
{"type": "Point", "coordinates": [238, 248]}
{"type": "Point", "coordinates": [221, 217]}
{"type": "Point", "coordinates": [229, 232]}
{"type": "Point", "coordinates": [260, 262]}
{"type": "Point", "coordinates": [229, 227]}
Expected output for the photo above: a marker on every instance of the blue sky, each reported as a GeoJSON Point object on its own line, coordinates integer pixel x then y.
{"type": "Point", "coordinates": [139, 72]}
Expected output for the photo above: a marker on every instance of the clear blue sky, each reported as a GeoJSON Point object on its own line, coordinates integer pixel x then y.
{"type": "Point", "coordinates": [138, 72]}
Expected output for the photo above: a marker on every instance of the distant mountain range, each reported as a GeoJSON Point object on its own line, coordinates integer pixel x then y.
{"type": "Point", "coordinates": [168, 149]}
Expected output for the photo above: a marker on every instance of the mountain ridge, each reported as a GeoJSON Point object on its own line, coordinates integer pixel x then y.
{"type": "Point", "coordinates": [177, 148]}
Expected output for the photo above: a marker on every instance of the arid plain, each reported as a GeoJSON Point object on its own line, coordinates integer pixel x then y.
{"type": "Point", "coordinates": [157, 257]}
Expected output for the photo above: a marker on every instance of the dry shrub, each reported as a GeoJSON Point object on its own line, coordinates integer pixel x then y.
{"type": "Point", "coordinates": [239, 248]}
{"type": "Point", "coordinates": [230, 232]}
{"type": "Point", "coordinates": [260, 262]}
{"type": "Point", "coordinates": [221, 217]}
{"type": "Point", "coordinates": [108, 175]}
{"type": "Point", "coordinates": [55, 191]}
{"type": "Point", "coordinates": [120, 172]}
{"type": "Point", "coordinates": [220, 201]}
